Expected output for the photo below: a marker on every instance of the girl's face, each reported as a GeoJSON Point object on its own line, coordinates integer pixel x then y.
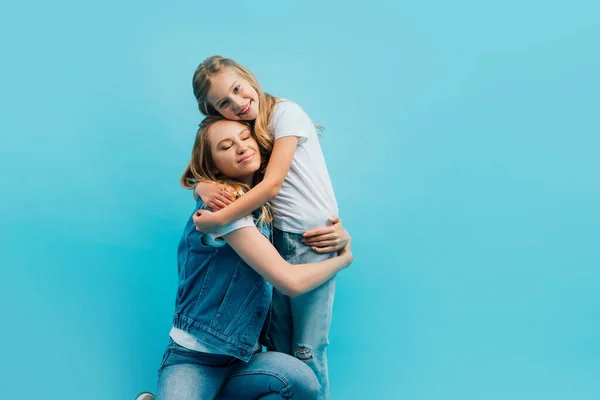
{"type": "Point", "coordinates": [233, 97]}
{"type": "Point", "coordinates": [234, 150]}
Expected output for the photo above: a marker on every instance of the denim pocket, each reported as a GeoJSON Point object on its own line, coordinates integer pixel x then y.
{"type": "Point", "coordinates": [225, 306]}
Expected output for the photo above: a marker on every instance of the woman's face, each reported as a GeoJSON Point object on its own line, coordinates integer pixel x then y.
{"type": "Point", "coordinates": [234, 150]}
{"type": "Point", "coordinates": [233, 97]}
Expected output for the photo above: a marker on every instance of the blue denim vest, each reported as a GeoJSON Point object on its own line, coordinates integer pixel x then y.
{"type": "Point", "coordinates": [220, 299]}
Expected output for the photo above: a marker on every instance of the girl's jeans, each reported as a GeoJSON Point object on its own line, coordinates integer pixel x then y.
{"type": "Point", "coordinates": [300, 325]}
{"type": "Point", "coordinates": [191, 375]}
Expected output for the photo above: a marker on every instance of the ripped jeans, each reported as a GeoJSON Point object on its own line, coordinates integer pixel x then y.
{"type": "Point", "coordinates": [300, 326]}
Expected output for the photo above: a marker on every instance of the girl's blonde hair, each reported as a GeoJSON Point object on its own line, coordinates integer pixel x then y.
{"type": "Point", "coordinates": [202, 167]}
{"type": "Point", "coordinates": [201, 84]}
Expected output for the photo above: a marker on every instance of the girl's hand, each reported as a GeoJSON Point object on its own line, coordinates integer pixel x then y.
{"type": "Point", "coordinates": [328, 239]}
{"type": "Point", "coordinates": [207, 221]}
{"type": "Point", "coordinates": [214, 195]}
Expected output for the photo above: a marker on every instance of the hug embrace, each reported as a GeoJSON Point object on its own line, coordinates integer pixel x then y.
{"type": "Point", "coordinates": [259, 253]}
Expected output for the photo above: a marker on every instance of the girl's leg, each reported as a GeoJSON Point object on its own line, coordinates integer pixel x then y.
{"type": "Point", "coordinates": [190, 375]}
{"type": "Point", "coordinates": [308, 316]}
{"type": "Point", "coordinates": [281, 326]}
{"type": "Point", "coordinates": [270, 375]}
{"type": "Point", "coordinates": [312, 320]}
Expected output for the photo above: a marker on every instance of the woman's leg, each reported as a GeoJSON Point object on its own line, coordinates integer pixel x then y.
{"type": "Point", "coordinates": [270, 375]}
{"type": "Point", "coordinates": [190, 375]}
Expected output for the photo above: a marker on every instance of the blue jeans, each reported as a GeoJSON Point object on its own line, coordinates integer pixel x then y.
{"type": "Point", "coordinates": [300, 326]}
{"type": "Point", "coordinates": [191, 375]}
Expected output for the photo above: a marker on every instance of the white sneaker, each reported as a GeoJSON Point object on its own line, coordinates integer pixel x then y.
{"type": "Point", "coordinates": [145, 396]}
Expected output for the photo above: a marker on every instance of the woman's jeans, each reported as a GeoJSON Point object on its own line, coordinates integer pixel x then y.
{"type": "Point", "coordinates": [191, 375]}
{"type": "Point", "coordinates": [300, 325]}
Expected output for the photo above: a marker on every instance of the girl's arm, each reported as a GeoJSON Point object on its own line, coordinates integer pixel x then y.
{"type": "Point", "coordinates": [213, 195]}
{"type": "Point", "coordinates": [292, 280]}
{"type": "Point", "coordinates": [278, 167]}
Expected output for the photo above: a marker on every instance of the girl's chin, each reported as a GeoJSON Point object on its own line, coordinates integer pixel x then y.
{"type": "Point", "coordinates": [249, 117]}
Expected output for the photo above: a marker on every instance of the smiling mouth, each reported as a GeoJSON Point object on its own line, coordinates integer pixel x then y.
{"type": "Point", "coordinates": [247, 158]}
{"type": "Point", "coordinates": [246, 109]}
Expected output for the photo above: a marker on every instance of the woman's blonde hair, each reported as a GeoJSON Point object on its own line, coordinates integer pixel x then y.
{"type": "Point", "coordinates": [202, 167]}
{"type": "Point", "coordinates": [201, 84]}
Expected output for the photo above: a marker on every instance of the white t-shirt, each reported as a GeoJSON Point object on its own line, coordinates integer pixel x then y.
{"type": "Point", "coordinates": [306, 198]}
{"type": "Point", "coordinates": [187, 340]}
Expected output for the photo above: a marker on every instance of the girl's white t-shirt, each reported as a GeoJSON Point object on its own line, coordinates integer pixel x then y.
{"type": "Point", "coordinates": [306, 199]}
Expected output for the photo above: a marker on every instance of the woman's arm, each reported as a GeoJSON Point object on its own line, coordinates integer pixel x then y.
{"type": "Point", "coordinates": [278, 167]}
{"type": "Point", "coordinates": [327, 239]}
{"type": "Point", "coordinates": [292, 280]}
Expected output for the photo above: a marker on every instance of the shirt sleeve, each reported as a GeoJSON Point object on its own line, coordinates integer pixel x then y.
{"type": "Point", "coordinates": [290, 120]}
{"type": "Point", "coordinates": [239, 223]}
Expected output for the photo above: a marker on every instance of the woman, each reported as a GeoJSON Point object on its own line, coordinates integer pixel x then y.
{"type": "Point", "coordinates": [223, 296]}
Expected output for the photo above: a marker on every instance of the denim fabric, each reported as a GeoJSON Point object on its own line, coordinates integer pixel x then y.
{"type": "Point", "coordinates": [300, 326]}
{"type": "Point", "coordinates": [190, 375]}
{"type": "Point", "coordinates": [220, 299]}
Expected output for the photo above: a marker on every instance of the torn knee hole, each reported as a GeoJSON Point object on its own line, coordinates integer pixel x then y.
{"type": "Point", "coordinates": [303, 352]}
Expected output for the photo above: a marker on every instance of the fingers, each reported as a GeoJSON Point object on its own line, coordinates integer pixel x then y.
{"type": "Point", "coordinates": [326, 246]}
{"type": "Point", "coordinates": [319, 232]}
{"type": "Point", "coordinates": [220, 201]}
{"type": "Point", "coordinates": [227, 190]}
{"type": "Point", "coordinates": [228, 196]}
{"type": "Point", "coordinates": [313, 239]}
{"type": "Point", "coordinates": [322, 250]}
{"type": "Point", "coordinates": [216, 205]}
{"type": "Point", "coordinates": [196, 218]}
{"type": "Point", "coordinates": [326, 243]}
{"type": "Point", "coordinates": [224, 199]}
{"type": "Point", "coordinates": [336, 225]}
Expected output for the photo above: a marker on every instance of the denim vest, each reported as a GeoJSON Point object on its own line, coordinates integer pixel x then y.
{"type": "Point", "coordinates": [220, 299]}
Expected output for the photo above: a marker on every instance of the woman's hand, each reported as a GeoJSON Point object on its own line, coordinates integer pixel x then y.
{"type": "Point", "coordinates": [347, 252]}
{"type": "Point", "coordinates": [214, 195]}
{"type": "Point", "coordinates": [328, 239]}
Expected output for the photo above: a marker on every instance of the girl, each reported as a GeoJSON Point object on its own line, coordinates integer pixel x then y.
{"type": "Point", "coordinates": [221, 303]}
{"type": "Point", "coordinates": [297, 184]}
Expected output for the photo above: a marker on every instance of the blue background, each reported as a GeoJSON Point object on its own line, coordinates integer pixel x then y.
{"type": "Point", "coordinates": [462, 140]}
